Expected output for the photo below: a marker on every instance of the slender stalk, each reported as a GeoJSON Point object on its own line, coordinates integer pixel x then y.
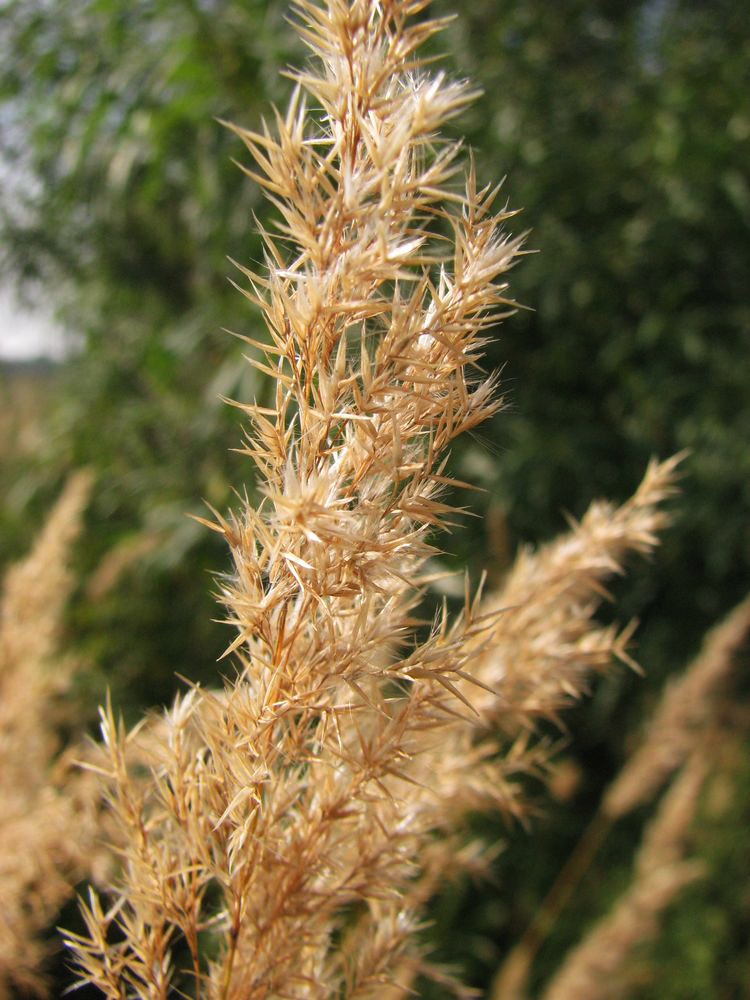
{"type": "Point", "coordinates": [511, 979]}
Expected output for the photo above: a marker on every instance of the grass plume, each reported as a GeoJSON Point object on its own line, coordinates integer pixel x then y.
{"type": "Point", "coordinates": [299, 805]}
{"type": "Point", "coordinates": [43, 839]}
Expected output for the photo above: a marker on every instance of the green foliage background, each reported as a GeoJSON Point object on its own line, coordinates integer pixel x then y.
{"type": "Point", "coordinates": [624, 131]}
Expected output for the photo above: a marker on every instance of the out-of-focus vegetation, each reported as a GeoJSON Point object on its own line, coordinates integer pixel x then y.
{"type": "Point", "coordinates": [624, 130]}
{"type": "Point", "coordinates": [25, 389]}
{"type": "Point", "coordinates": [123, 206]}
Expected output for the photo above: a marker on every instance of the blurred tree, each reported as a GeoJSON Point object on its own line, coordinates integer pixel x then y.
{"type": "Point", "coordinates": [122, 206]}
{"type": "Point", "coordinates": [625, 135]}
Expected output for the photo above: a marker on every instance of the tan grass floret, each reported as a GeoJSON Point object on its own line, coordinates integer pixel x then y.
{"type": "Point", "coordinates": [298, 805]}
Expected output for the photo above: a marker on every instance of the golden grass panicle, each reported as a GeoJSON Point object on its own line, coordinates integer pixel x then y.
{"type": "Point", "coordinates": [42, 841]}
{"type": "Point", "coordinates": [297, 806]}
{"type": "Point", "coordinates": [547, 643]}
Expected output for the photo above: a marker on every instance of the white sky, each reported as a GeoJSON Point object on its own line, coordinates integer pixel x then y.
{"type": "Point", "coordinates": [24, 334]}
